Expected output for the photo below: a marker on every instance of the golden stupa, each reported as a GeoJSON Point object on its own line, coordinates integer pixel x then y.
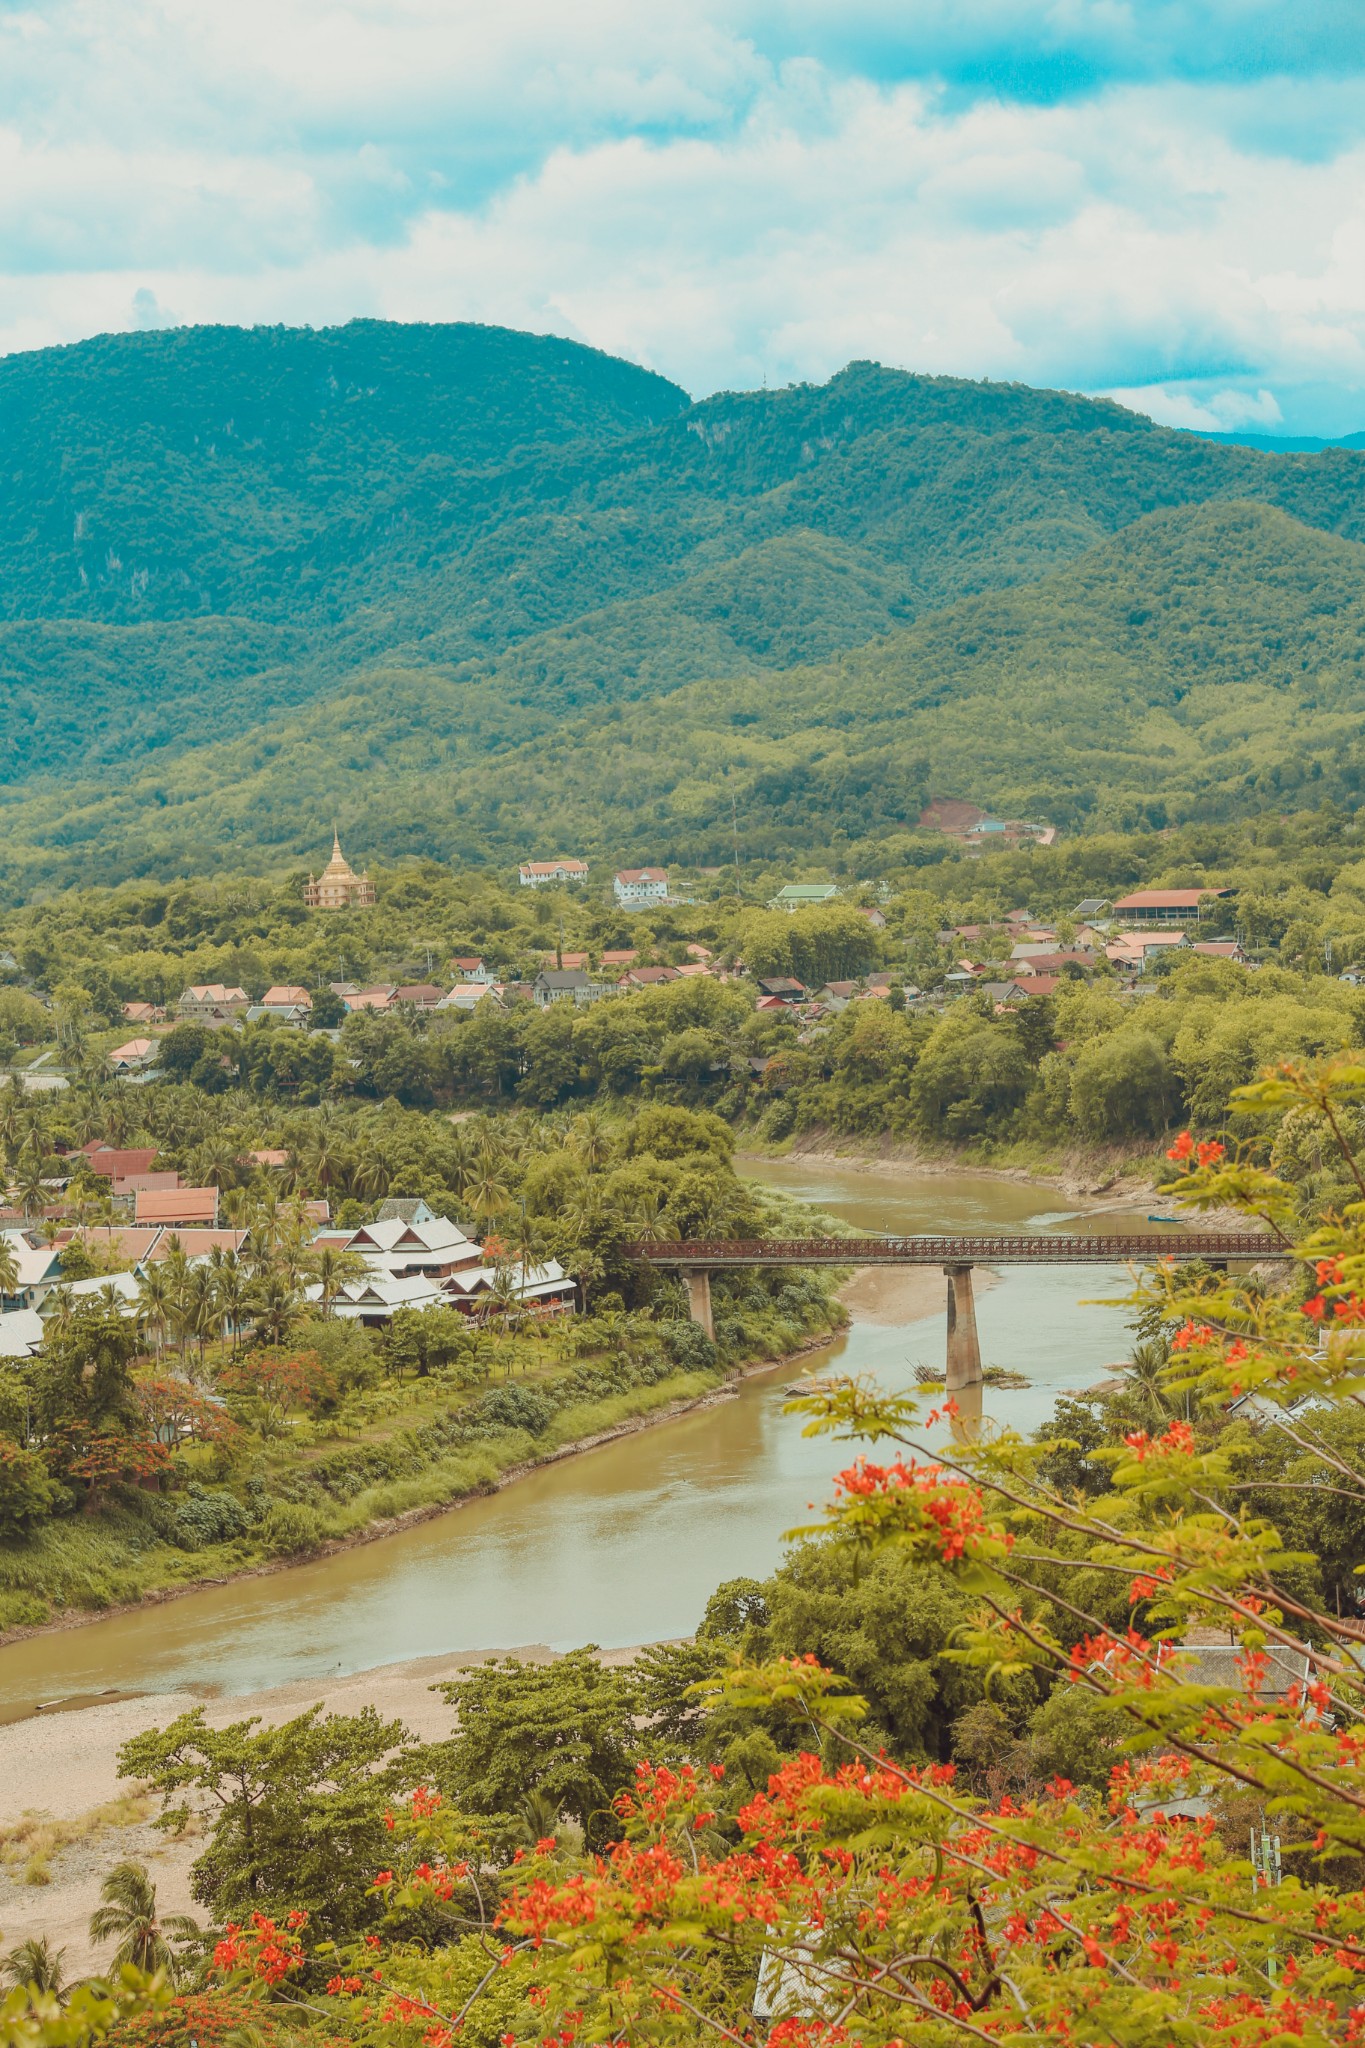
{"type": "Point", "coordinates": [339, 887]}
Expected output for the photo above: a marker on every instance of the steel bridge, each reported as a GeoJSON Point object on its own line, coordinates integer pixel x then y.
{"type": "Point", "coordinates": [696, 1259]}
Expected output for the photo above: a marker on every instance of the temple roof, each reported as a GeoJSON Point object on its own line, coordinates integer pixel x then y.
{"type": "Point", "coordinates": [339, 865]}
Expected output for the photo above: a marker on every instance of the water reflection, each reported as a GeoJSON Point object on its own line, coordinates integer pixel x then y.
{"type": "Point", "coordinates": [625, 1544]}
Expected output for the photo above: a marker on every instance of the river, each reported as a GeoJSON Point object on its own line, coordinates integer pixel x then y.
{"type": "Point", "coordinates": [623, 1544]}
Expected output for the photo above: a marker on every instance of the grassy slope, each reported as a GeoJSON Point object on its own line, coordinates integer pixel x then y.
{"type": "Point", "coordinates": [355, 554]}
{"type": "Point", "coordinates": [1209, 659]}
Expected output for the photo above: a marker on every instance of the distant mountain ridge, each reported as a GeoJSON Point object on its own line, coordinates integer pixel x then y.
{"type": "Point", "coordinates": [434, 548]}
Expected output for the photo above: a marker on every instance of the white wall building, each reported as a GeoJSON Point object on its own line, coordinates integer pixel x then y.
{"type": "Point", "coordinates": [540, 874]}
{"type": "Point", "coordinates": [635, 887]}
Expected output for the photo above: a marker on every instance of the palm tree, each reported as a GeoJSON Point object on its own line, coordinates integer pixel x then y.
{"type": "Point", "coordinates": [30, 1184]}
{"type": "Point", "coordinates": [129, 1916]}
{"type": "Point", "coordinates": [647, 1216]}
{"type": "Point", "coordinates": [1146, 1373]}
{"type": "Point", "coordinates": [592, 1139]}
{"type": "Point", "coordinates": [275, 1305]}
{"type": "Point", "coordinates": [154, 1301]}
{"type": "Point", "coordinates": [37, 1964]}
{"type": "Point", "coordinates": [332, 1266]}
{"type": "Point", "coordinates": [231, 1295]}
{"type": "Point", "coordinates": [9, 1268]}
{"type": "Point", "coordinates": [485, 1190]}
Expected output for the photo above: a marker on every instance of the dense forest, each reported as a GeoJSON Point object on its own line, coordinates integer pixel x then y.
{"type": "Point", "coordinates": [463, 588]}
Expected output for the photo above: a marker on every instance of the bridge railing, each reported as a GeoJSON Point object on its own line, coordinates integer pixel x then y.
{"type": "Point", "coordinates": [1015, 1248]}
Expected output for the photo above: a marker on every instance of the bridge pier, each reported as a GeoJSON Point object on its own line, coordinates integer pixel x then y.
{"type": "Point", "coordinates": [698, 1284]}
{"type": "Point", "coordinates": [964, 1347]}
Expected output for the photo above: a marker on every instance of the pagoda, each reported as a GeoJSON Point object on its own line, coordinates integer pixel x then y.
{"type": "Point", "coordinates": [339, 887]}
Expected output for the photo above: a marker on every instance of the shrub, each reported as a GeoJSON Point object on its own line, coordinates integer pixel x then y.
{"type": "Point", "coordinates": [204, 1517]}
{"type": "Point", "coordinates": [291, 1530]}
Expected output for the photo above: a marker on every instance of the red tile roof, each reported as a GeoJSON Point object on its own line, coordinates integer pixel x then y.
{"type": "Point", "coordinates": [177, 1205]}
{"type": "Point", "coordinates": [1167, 899]}
{"type": "Point", "coordinates": [115, 1164]}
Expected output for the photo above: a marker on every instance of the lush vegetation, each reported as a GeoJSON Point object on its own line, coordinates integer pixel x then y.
{"type": "Point", "coordinates": [943, 1770]}
{"type": "Point", "coordinates": [452, 583]}
{"type": "Point", "coordinates": [1087, 1065]}
{"type": "Point", "coordinates": [235, 1418]}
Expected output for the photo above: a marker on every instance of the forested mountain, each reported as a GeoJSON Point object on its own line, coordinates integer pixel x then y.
{"type": "Point", "coordinates": [462, 587]}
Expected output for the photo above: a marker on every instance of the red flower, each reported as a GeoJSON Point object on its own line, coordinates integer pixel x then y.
{"type": "Point", "coordinates": [1182, 1147]}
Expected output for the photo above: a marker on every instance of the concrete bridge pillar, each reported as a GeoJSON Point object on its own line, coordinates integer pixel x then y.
{"type": "Point", "coordinates": [964, 1347]}
{"type": "Point", "coordinates": [698, 1283]}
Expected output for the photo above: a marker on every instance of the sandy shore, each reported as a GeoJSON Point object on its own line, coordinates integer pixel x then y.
{"type": "Point", "coordinates": [66, 1764]}
{"type": "Point", "coordinates": [1120, 1177]}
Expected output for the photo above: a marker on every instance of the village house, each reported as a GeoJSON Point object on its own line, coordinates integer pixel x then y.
{"type": "Point", "coordinates": [566, 985]}
{"type": "Point", "coordinates": [635, 887]}
{"type": "Point", "coordinates": [466, 996]}
{"type": "Point", "coordinates": [418, 1260]}
{"type": "Point", "coordinates": [649, 977]}
{"type": "Point", "coordinates": [540, 874]}
{"type": "Point", "coordinates": [117, 1163]}
{"type": "Point", "coordinates": [143, 1013]}
{"type": "Point", "coordinates": [469, 967]}
{"type": "Point", "coordinates": [1148, 907]}
{"type": "Point", "coordinates": [379, 998]}
{"type": "Point", "coordinates": [176, 1206]}
{"type": "Point", "coordinates": [40, 1268]}
{"type": "Point", "coordinates": [623, 956]}
{"type": "Point", "coordinates": [418, 995]}
{"type": "Point", "coordinates": [1137, 952]}
{"type": "Point", "coordinates": [338, 887]}
{"type": "Point", "coordinates": [212, 1003]}
{"type": "Point", "coordinates": [1223, 949]}
{"type": "Point", "coordinates": [133, 1056]}
{"type": "Point", "coordinates": [803, 896]}
{"type": "Point", "coordinates": [23, 1330]}
{"type": "Point", "coordinates": [282, 999]}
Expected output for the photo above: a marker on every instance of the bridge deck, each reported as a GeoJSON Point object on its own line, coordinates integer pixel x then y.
{"type": "Point", "coordinates": [1018, 1249]}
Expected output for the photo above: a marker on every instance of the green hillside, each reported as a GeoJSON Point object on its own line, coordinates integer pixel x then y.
{"type": "Point", "coordinates": [464, 588]}
{"type": "Point", "coordinates": [1204, 663]}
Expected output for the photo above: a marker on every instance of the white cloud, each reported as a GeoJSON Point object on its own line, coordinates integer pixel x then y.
{"type": "Point", "coordinates": [718, 192]}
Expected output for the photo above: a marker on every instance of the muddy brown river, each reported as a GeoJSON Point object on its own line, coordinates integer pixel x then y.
{"type": "Point", "coordinates": [623, 1544]}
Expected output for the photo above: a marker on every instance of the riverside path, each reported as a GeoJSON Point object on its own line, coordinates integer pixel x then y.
{"type": "Point", "coordinates": [696, 1259]}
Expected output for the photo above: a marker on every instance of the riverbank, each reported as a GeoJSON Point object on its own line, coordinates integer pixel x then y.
{"type": "Point", "coordinates": [1121, 1173]}
{"type": "Point", "coordinates": [664, 1402]}
{"type": "Point", "coordinates": [65, 1766]}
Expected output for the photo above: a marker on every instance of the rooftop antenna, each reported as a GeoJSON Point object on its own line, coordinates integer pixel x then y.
{"type": "Point", "coordinates": [734, 827]}
{"type": "Point", "coordinates": [559, 945]}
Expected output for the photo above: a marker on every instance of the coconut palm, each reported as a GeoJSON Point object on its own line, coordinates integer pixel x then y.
{"type": "Point", "coordinates": [1146, 1372]}
{"type": "Point", "coordinates": [231, 1294]}
{"type": "Point", "coordinates": [129, 1917]}
{"type": "Point", "coordinates": [38, 1965]}
{"type": "Point", "coordinates": [332, 1266]}
{"type": "Point", "coordinates": [30, 1182]}
{"type": "Point", "coordinates": [154, 1302]}
{"type": "Point", "coordinates": [485, 1190]}
{"type": "Point", "coordinates": [275, 1304]}
{"type": "Point", "coordinates": [9, 1268]}
{"type": "Point", "coordinates": [592, 1139]}
{"type": "Point", "coordinates": [647, 1216]}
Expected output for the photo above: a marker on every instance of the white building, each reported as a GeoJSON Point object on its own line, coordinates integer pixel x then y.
{"type": "Point", "coordinates": [40, 1268]}
{"type": "Point", "coordinates": [540, 874]}
{"type": "Point", "coordinates": [635, 887]}
{"type": "Point", "coordinates": [427, 1262]}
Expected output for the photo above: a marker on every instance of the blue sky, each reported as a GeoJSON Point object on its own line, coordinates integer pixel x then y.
{"type": "Point", "coordinates": [1162, 200]}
